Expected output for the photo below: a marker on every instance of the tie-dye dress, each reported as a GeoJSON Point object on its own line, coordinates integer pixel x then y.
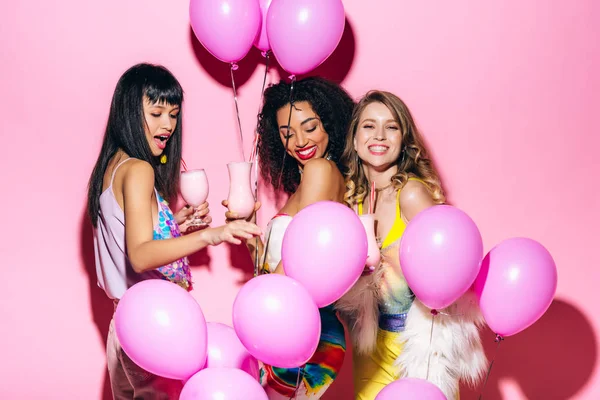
{"type": "Point", "coordinates": [313, 379]}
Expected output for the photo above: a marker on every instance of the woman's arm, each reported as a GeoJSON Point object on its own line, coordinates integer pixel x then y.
{"type": "Point", "coordinates": [255, 243]}
{"type": "Point", "coordinates": [318, 183]}
{"type": "Point", "coordinates": [279, 270]}
{"type": "Point", "coordinates": [414, 198]}
{"type": "Point", "coordinates": [145, 253]}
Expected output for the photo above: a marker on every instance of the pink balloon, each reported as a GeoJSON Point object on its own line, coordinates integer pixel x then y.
{"type": "Point", "coordinates": [162, 329]}
{"type": "Point", "coordinates": [304, 33]}
{"type": "Point", "coordinates": [222, 384]}
{"type": "Point", "coordinates": [226, 350]}
{"type": "Point", "coordinates": [440, 252]}
{"type": "Point", "coordinates": [262, 41]}
{"type": "Point", "coordinates": [226, 28]}
{"type": "Point", "coordinates": [411, 389]}
{"type": "Point", "coordinates": [516, 285]}
{"type": "Point", "coordinates": [325, 249]}
{"type": "Point", "coordinates": [277, 321]}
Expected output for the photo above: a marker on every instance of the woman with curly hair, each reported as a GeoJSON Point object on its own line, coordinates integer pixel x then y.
{"type": "Point", "coordinates": [390, 329]}
{"type": "Point", "coordinates": [300, 155]}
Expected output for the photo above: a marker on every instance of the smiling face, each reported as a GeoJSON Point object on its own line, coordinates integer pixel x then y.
{"type": "Point", "coordinates": [305, 137]}
{"type": "Point", "coordinates": [378, 138]}
{"type": "Point", "coordinates": [161, 120]}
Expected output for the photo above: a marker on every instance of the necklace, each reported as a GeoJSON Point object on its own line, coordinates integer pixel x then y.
{"type": "Point", "coordinates": [385, 187]}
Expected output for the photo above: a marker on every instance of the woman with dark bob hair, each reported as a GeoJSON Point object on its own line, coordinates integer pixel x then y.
{"type": "Point", "coordinates": [136, 234]}
{"type": "Point", "coordinates": [300, 155]}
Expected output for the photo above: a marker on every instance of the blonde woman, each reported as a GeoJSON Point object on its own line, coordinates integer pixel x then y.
{"type": "Point", "coordinates": [391, 330]}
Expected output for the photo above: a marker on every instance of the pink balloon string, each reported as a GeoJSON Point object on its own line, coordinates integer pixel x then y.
{"type": "Point", "coordinates": [254, 148]}
{"type": "Point", "coordinates": [234, 67]}
{"type": "Point", "coordinates": [298, 379]}
{"type": "Point", "coordinates": [498, 340]}
{"type": "Point", "coordinates": [434, 313]}
{"type": "Point", "coordinates": [265, 250]}
{"type": "Point", "coordinates": [184, 165]}
{"type": "Point", "coordinates": [266, 55]}
{"type": "Point", "coordinates": [254, 153]}
{"type": "Point", "coordinates": [252, 160]}
{"type": "Point", "coordinates": [254, 156]}
{"type": "Point", "coordinates": [287, 136]}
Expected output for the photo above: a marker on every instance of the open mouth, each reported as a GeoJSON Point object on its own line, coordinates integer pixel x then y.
{"type": "Point", "coordinates": [307, 153]}
{"type": "Point", "coordinates": [161, 140]}
{"type": "Point", "coordinates": [378, 149]}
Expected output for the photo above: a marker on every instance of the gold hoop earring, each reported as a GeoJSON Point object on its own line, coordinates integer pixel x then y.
{"type": "Point", "coordinates": [163, 159]}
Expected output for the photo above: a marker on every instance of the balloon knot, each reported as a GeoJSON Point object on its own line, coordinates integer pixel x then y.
{"type": "Point", "coordinates": [498, 338]}
{"type": "Point", "coordinates": [292, 78]}
{"type": "Point", "coordinates": [434, 312]}
{"type": "Point", "coordinates": [234, 66]}
{"type": "Point", "coordinates": [265, 54]}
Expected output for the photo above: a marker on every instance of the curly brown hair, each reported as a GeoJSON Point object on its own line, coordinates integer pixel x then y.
{"type": "Point", "coordinates": [328, 100]}
{"type": "Point", "coordinates": [414, 160]}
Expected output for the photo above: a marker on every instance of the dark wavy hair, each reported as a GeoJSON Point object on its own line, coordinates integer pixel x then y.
{"type": "Point", "coordinates": [329, 101]}
{"type": "Point", "coordinates": [125, 130]}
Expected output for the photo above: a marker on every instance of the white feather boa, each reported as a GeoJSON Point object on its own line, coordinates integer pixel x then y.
{"type": "Point", "coordinates": [455, 346]}
{"type": "Point", "coordinates": [359, 308]}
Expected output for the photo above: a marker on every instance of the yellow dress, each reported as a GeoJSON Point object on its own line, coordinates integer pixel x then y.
{"type": "Point", "coordinates": [372, 372]}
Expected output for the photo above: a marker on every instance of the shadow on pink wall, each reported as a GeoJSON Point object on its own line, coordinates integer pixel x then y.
{"type": "Point", "coordinates": [336, 67]}
{"type": "Point", "coordinates": [553, 359]}
{"type": "Point", "coordinates": [101, 306]}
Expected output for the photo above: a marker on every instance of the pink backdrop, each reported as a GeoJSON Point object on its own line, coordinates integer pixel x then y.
{"type": "Point", "coordinates": [506, 94]}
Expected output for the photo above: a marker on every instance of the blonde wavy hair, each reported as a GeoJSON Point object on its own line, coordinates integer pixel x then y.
{"type": "Point", "coordinates": [412, 162]}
